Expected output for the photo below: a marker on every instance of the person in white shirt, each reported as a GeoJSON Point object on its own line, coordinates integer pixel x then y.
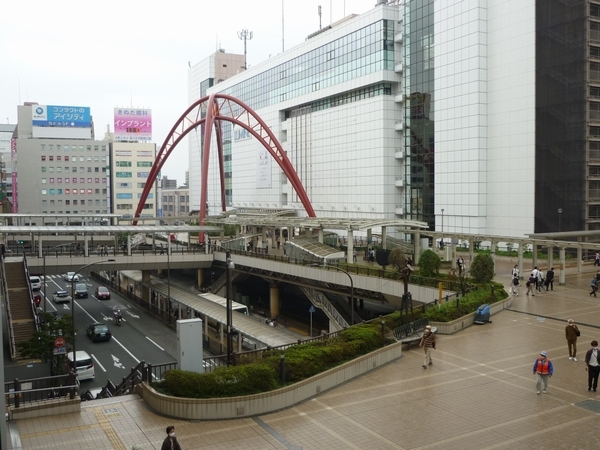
{"type": "Point", "coordinates": [540, 280]}
{"type": "Point", "coordinates": [515, 271]}
{"type": "Point", "coordinates": [592, 365]}
{"type": "Point", "coordinates": [534, 275]}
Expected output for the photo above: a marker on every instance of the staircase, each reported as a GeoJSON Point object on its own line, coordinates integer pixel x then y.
{"type": "Point", "coordinates": [19, 302]}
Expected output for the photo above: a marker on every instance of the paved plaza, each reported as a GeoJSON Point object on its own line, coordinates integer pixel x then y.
{"type": "Point", "coordinates": [479, 394]}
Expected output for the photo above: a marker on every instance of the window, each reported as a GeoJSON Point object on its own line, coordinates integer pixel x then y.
{"type": "Point", "coordinates": [43, 169]}
{"type": "Point", "coordinates": [89, 180]}
{"type": "Point", "coordinates": [50, 169]}
{"type": "Point", "coordinates": [51, 158]}
{"type": "Point", "coordinates": [51, 191]}
{"type": "Point", "coordinates": [67, 202]}
{"type": "Point", "coordinates": [123, 164]}
{"type": "Point", "coordinates": [44, 191]}
{"type": "Point", "coordinates": [59, 192]}
{"type": "Point", "coordinates": [143, 174]}
{"type": "Point", "coordinates": [74, 180]}
{"type": "Point", "coordinates": [59, 169]}
{"type": "Point", "coordinates": [82, 180]}
{"type": "Point", "coordinates": [43, 181]}
{"type": "Point", "coordinates": [74, 202]}
{"type": "Point", "coordinates": [43, 157]}
{"type": "Point", "coordinates": [89, 191]}
{"type": "Point", "coordinates": [123, 174]}
{"type": "Point", "coordinates": [67, 180]}
{"type": "Point", "coordinates": [145, 154]}
{"type": "Point", "coordinates": [51, 180]}
{"type": "Point", "coordinates": [59, 180]}
{"type": "Point", "coordinates": [59, 157]}
{"type": "Point", "coordinates": [125, 196]}
{"type": "Point", "coordinates": [66, 157]}
{"type": "Point", "coordinates": [144, 163]}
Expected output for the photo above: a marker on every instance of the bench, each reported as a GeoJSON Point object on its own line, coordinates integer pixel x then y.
{"type": "Point", "coordinates": [412, 332]}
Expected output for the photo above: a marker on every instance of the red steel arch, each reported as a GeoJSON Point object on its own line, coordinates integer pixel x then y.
{"type": "Point", "coordinates": [219, 108]}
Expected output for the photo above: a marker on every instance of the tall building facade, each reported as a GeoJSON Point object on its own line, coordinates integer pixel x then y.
{"type": "Point", "coordinates": [473, 116]}
{"type": "Point", "coordinates": [58, 166]}
{"type": "Point", "coordinates": [6, 135]}
{"type": "Point", "coordinates": [176, 202]}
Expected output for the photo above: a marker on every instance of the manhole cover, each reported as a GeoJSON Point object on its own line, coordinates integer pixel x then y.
{"type": "Point", "coordinates": [591, 405]}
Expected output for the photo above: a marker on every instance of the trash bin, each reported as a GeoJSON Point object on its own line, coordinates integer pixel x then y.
{"type": "Point", "coordinates": [482, 315]}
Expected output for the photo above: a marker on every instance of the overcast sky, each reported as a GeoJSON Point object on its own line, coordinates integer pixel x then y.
{"type": "Point", "coordinates": [107, 54]}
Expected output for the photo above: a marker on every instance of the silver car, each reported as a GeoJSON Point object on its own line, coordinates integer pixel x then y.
{"type": "Point", "coordinates": [61, 297]}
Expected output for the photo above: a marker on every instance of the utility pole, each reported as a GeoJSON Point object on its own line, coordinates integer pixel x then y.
{"type": "Point", "coordinates": [245, 35]}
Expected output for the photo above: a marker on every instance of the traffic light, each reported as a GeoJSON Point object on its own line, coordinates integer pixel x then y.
{"type": "Point", "coordinates": [21, 242]}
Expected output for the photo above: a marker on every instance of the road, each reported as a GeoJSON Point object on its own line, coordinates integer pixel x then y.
{"type": "Point", "coordinates": [139, 338]}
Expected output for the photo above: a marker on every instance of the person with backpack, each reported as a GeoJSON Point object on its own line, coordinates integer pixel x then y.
{"type": "Point", "coordinates": [594, 286]}
{"type": "Point", "coordinates": [531, 285]}
{"type": "Point", "coordinates": [515, 285]}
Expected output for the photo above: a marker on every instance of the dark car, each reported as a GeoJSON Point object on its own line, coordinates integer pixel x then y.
{"type": "Point", "coordinates": [102, 293]}
{"type": "Point", "coordinates": [98, 332]}
{"type": "Point", "coordinates": [81, 290]}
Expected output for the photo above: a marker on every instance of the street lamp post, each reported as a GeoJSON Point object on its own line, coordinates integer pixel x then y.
{"type": "Point", "coordinates": [44, 258]}
{"type": "Point", "coordinates": [351, 287]}
{"type": "Point", "coordinates": [73, 305]}
{"type": "Point", "coordinates": [559, 216]}
{"type": "Point", "coordinates": [230, 267]}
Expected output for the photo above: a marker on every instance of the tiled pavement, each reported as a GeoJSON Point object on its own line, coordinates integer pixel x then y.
{"type": "Point", "coordinates": [479, 394]}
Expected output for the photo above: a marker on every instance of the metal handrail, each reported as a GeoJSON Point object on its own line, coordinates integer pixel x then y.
{"type": "Point", "coordinates": [11, 331]}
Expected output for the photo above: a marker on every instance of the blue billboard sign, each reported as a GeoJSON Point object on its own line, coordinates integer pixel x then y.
{"type": "Point", "coordinates": [61, 116]}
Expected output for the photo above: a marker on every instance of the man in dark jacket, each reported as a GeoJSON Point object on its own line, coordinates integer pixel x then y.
{"type": "Point", "coordinates": [550, 279]}
{"type": "Point", "coordinates": [592, 365]}
{"type": "Point", "coordinates": [170, 442]}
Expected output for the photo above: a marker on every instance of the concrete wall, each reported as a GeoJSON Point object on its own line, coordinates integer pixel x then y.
{"type": "Point", "coordinates": [236, 407]}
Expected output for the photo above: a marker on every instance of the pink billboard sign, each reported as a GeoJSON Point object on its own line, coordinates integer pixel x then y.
{"type": "Point", "coordinates": [133, 124]}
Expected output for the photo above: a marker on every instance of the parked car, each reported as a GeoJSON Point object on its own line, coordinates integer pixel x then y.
{"type": "Point", "coordinates": [71, 276]}
{"type": "Point", "coordinates": [36, 283]}
{"type": "Point", "coordinates": [102, 293]}
{"type": "Point", "coordinates": [81, 290]}
{"type": "Point", "coordinates": [61, 297]}
{"type": "Point", "coordinates": [85, 365]}
{"type": "Point", "coordinates": [98, 332]}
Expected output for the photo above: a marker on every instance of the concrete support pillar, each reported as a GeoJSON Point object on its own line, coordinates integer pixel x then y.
{"type": "Point", "coordinates": [264, 238]}
{"type": "Point", "coordinates": [550, 257]}
{"type": "Point", "coordinates": [534, 261]}
{"type": "Point", "coordinates": [200, 277]}
{"type": "Point", "coordinates": [129, 244]}
{"type": "Point", "coordinates": [86, 245]}
{"type": "Point", "coordinates": [563, 270]}
{"type": "Point", "coordinates": [237, 230]}
{"type": "Point", "coordinates": [321, 235]}
{"type": "Point", "coordinates": [206, 249]}
{"type": "Point", "coordinates": [493, 254]}
{"type": "Point", "coordinates": [308, 232]}
{"type": "Point", "coordinates": [384, 238]}
{"type": "Point", "coordinates": [417, 247]}
{"type": "Point", "coordinates": [453, 256]}
{"type": "Point", "coordinates": [579, 259]}
{"type": "Point", "coordinates": [520, 259]}
{"type": "Point", "coordinates": [274, 299]}
{"type": "Point", "coordinates": [145, 291]}
{"type": "Point", "coordinates": [369, 238]}
{"type": "Point", "coordinates": [350, 252]}
{"type": "Point", "coordinates": [40, 247]}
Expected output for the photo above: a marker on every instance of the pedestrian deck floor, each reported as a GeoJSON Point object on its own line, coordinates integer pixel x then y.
{"type": "Point", "coordinates": [479, 394]}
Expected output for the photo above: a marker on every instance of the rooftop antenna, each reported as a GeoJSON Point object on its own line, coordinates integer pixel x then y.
{"type": "Point", "coordinates": [245, 35]}
{"type": "Point", "coordinates": [320, 17]}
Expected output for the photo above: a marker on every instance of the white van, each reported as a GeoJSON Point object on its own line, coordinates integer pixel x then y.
{"type": "Point", "coordinates": [36, 283]}
{"type": "Point", "coordinates": [85, 365]}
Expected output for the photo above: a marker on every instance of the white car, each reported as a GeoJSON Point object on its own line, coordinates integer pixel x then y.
{"type": "Point", "coordinates": [85, 365]}
{"type": "Point", "coordinates": [70, 276]}
{"type": "Point", "coordinates": [36, 283]}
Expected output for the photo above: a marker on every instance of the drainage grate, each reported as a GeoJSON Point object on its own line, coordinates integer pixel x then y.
{"type": "Point", "coordinates": [590, 405]}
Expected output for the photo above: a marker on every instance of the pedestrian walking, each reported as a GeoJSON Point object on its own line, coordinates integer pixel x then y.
{"type": "Point", "coordinates": [540, 280]}
{"type": "Point", "coordinates": [550, 279]}
{"type": "Point", "coordinates": [597, 259]}
{"type": "Point", "coordinates": [594, 286]}
{"type": "Point", "coordinates": [515, 285]}
{"type": "Point", "coordinates": [428, 344]}
{"type": "Point", "coordinates": [571, 334]}
{"type": "Point", "coordinates": [592, 365]}
{"type": "Point", "coordinates": [530, 285]}
{"type": "Point", "coordinates": [515, 271]}
{"type": "Point", "coordinates": [534, 275]}
{"type": "Point", "coordinates": [543, 370]}
{"type": "Point", "coordinates": [170, 442]}
{"type": "Point", "coordinates": [460, 262]}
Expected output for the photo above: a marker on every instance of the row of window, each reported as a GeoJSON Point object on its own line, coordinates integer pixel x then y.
{"type": "Point", "coordinates": [96, 159]}
{"type": "Point", "coordinates": [171, 199]}
{"type": "Point", "coordinates": [170, 208]}
{"type": "Point", "coordinates": [73, 148]}
{"type": "Point", "coordinates": [73, 180]}
{"type": "Point", "coordinates": [89, 211]}
{"type": "Point", "coordinates": [130, 174]}
{"type": "Point", "coordinates": [71, 191]}
{"type": "Point", "coordinates": [128, 163]}
{"type": "Point", "coordinates": [82, 202]}
{"type": "Point", "coordinates": [129, 196]}
{"type": "Point", "coordinates": [74, 169]}
{"type": "Point", "coordinates": [139, 153]}
{"type": "Point", "coordinates": [130, 206]}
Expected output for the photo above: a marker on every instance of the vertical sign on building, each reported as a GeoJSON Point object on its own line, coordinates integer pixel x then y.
{"type": "Point", "coordinates": [133, 124]}
{"type": "Point", "coordinates": [263, 170]}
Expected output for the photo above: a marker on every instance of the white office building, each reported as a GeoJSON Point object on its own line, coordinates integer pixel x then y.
{"type": "Point", "coordinates": [426, 110]}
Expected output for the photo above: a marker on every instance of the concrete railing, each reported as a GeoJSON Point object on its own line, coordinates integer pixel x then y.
{"type": "Point", "coordinates": [252, 405]}
{"type": "Point", "coordinates": [467, 321]}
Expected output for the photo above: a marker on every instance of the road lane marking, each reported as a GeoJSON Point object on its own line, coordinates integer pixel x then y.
{"type": "Point", "coordinates": [155, 343]}
{"type": "Point", "coordinates": [98, 362]}
{"type": "Point", "coordinates": [117, 363]}
{"type": "Point", "coordinates": [123, 347]}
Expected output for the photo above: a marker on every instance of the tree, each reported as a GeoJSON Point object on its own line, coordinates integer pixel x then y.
{"type": "Point", "coordinates": [429, 264]}
{"type": "Point", "coordinates": [41, 344]}
{"type": "Point", "coordinates": [397, 259]}
{"type": "Point", "coordinates": [482, 268]}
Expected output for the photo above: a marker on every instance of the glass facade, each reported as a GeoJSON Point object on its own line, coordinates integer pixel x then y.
{"type": "Point", "coordinates": [419, 111]}
{"type": "Point", "coordinates": [562, 113]}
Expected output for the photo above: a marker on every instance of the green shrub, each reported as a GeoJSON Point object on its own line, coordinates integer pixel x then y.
{"type": "Point", "coordinates": [429, 264]}
{"type": "Point", "coordinates": [482, 268]}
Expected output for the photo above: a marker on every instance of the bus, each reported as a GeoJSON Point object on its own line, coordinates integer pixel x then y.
{"type": "Point", "coordinates": [235, 306]}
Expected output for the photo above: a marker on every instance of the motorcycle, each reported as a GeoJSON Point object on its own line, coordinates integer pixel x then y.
{"type": "Point", "coordinates": [118, 317]}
